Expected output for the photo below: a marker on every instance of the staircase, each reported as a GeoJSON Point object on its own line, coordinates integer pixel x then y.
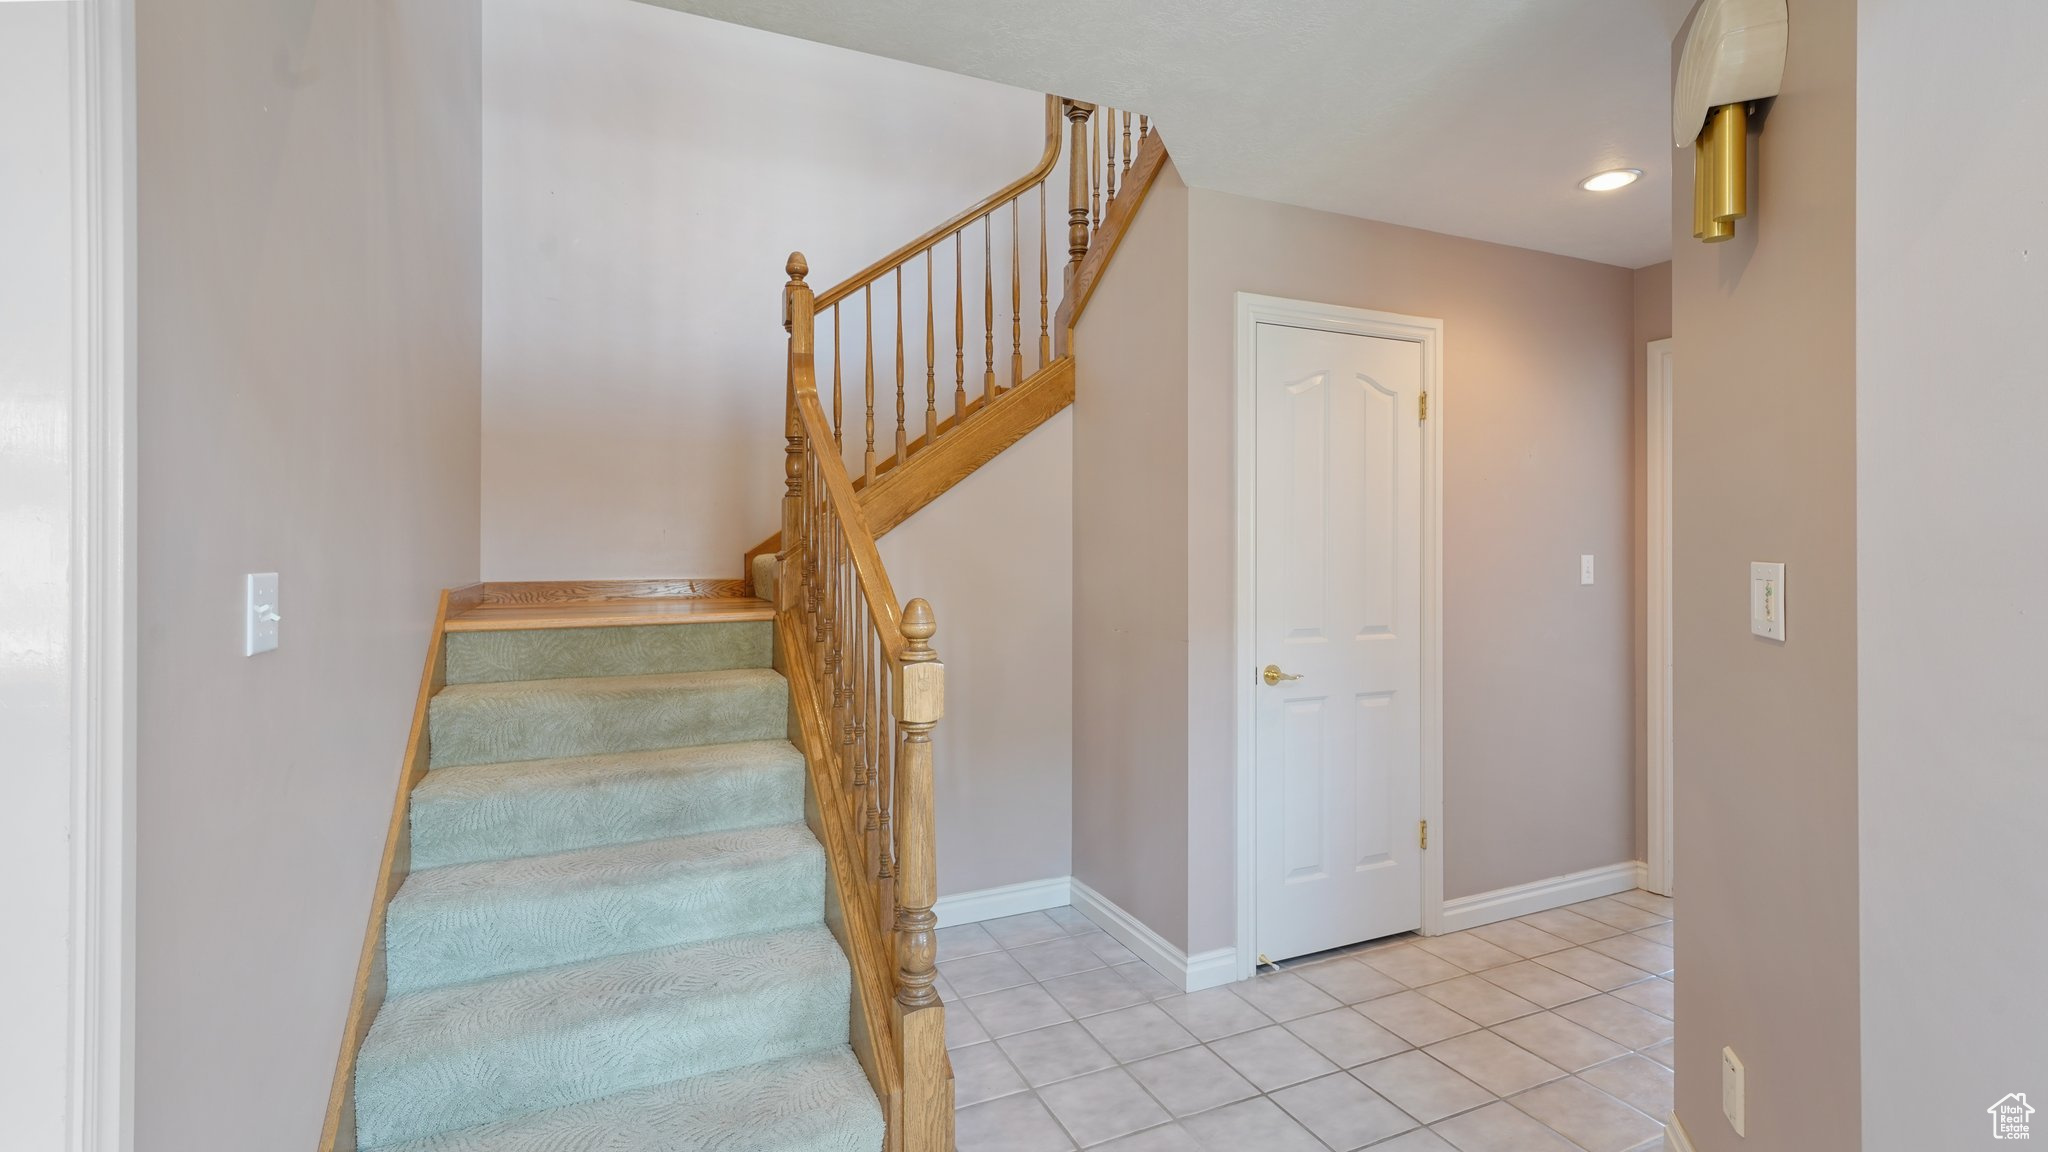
{"type": "Point", "coordinates": [661, 863]}
{"type": "Point", "coordinates": [613, 929]}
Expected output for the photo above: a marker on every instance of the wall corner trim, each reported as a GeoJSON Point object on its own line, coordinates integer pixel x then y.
{"type": "Point", "coordinates": [1008, 900]}
{"type": "Point", "coordinates": [1675, 1139]}
{"type": "Point", "coordinates": [1541, 895]}
{"type": "Point", "coordinates": [1189, 973]}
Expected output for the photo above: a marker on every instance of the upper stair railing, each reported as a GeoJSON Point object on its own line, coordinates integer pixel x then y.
{"type": "Point", "coordinates": [953, 354]}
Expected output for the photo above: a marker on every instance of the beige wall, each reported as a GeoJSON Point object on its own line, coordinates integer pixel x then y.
{"type": "Point", "coordinates": [1952, 544]}
{"type": "Point", "coordinates": [1651, 292]}
{"type": "Point", "coordinates": [995, 556]}
{"type": "Point", "coordinates": [1537, 715]}
{"type": "Point", "coordinates": [646, 174]}
{"type": "Point", "coordinates": [1130, 651]}
{"type": "Point", "coordinates": [308, 404]}
{"type": "Point", "coordinates": [1765, 469]}
{"type": "Point", "coordinates": [1538, 766]}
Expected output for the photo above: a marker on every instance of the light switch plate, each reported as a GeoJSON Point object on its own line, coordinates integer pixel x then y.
{"type": "Point", "coordinates": [1585, 570]}
{"type": "Point", "coordinates": [260, 614]}
{"type": "Point", "coordinates": [1733, 1091]}
{"type": "Point", "coordinates": [1767, 601]}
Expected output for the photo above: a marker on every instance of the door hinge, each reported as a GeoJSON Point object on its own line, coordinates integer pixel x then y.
{"type": "Point", "coordinates": [1423, 408]}
{"type": "Point", "coordinates": [1425, 833]}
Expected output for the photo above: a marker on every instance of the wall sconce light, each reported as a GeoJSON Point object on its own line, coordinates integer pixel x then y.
{"type": "Point", "coordinates": [1734, 55]}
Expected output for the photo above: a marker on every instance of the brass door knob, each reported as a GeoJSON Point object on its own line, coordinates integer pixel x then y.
{"type": "Point", "coordinates": [1273, 675]}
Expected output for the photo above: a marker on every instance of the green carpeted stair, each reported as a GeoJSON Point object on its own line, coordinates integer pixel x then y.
{"type": "Point", "coordinates": [612, 935]}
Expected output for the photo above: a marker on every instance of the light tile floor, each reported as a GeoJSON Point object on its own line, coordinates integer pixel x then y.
{"type": "Point", "coordinates": [1551, 1033]}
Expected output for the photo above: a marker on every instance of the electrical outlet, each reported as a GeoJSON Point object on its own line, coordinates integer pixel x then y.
{"type": "Point", "coordinates": [1585, 570]}
{"type": "Point", "coordinates": [259, 613]}
{"type": "Point", "coordinates": [1731, 1089]}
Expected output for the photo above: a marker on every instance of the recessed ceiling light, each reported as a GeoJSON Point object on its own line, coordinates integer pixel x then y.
{"type": "Point", "coordinates": [1611, 179]}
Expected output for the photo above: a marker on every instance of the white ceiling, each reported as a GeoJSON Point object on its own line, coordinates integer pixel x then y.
{"type": "Point", "coordinates": [1472, 117]}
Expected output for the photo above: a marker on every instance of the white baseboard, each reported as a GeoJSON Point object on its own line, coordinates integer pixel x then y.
{"type": "Point", "coordinates": [1540, 896]}
{"type": "Point", "coordinates": [995, 903]}
{"type": "Point", "coordinates": [1675, 1139]}
{"type": "Point", "coordinates": [1190, 973]}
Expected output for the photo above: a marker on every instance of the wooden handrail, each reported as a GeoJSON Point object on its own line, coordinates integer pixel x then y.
{"type": "Point", "coordinates": [1009, 192]}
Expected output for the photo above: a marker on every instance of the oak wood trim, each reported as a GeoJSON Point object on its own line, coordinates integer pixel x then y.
{"type": "Point", "coordinates": [538, 592]}
{"type": "Point", "coordinates": [338, 1131]}
{"type": "Point", "coordinates": [851, 912]}
{"type": "Point", "coordinates": [1022, 402]}
{"type": "Point", "coordinates": [609, 614]}
{"type": "Point", "coordinates": [1116, 222]}
{"type": "Point", "coordinates": [1011, 191]}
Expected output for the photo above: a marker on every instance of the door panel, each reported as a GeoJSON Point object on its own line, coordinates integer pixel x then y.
{"type": "Point", "coordinates": [1337, 569]}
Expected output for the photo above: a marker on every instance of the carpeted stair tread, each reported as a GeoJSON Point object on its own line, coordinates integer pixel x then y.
{"type": "Point", "coordinates": [586, 716]}
{"type": "Point", "coordinates": [556, 653]}
{"type": "Point", "coordinates": [470, 921]}
{"type": "Point", "coordinates": [535, 807]}
{"type": "Point", "coordinates": [467, 1054]}
{"type": "Point", "coordinates": [815, 1102]}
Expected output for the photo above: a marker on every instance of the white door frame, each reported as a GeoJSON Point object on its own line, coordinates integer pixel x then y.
{"type": "Point", "coordinates": [100, 1052]}
{"type": "Point", "coordinates": [1253, 310]}
{"type": "Point", "coordinates": [1657, 614]}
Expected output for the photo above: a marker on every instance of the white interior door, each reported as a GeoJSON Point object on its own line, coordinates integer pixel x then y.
{"type": "Point", "coordinates": [1338, 604]}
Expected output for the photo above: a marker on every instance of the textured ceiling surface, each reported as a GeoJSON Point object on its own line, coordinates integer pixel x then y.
{"type": "Point", "coordinates": [1472, 117]}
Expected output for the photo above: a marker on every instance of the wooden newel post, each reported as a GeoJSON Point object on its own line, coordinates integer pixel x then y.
{"type": "Point", "coordinates": [920, 699]}
{"type": "Point", "coordinates": [796, 320]}
{"type": "Point", "coordinates": [1078, 168]}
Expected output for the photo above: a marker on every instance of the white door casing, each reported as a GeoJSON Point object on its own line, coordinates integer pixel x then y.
{"type": "Point", "coordinates": [1338, 583]}
{"type": "Point", "coordinates": [1657, 621]}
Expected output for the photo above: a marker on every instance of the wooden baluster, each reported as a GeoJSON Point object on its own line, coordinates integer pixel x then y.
{"type": "Point", "coordinates": [1127, 140]}
{"type": "Point", "coordinates": [1044, 318]}
{"type": "Point", "coordinates": [1016, 300]}
{"type": "Point", "coordinates": [867, 297]}
{"type": "Point", "coordinates": [1094, 172]}
{"type": "Point", "coordinates": [871, 733]}
{"type": "Point", "coordinates": [988, 306]}
{"type": "Point", "coordinates": [1077, 184]}
{"type": "Point", "coordinates": [849, 611]}
{"type": "Point", "coordinates": [959, 337]}
{"type": "Point", "coordinates": [797, 322]}
{"type": "Point", "coordinates": [902, 441]}
{"type": "Point", "coordinates": [1144, 125]}
{"type": "Point", "coordinates": [1109, 168]}
{"type": "Point", "coordinates": [886, 790]}
{"type": "Point", "coordinates": [931, 361]}
{"type": "Point", "coordinates": [838, 441]}
{"type": "Point", "coordinates": [919, 701]}
{"type": "Point", "coordinates": [856, 701]}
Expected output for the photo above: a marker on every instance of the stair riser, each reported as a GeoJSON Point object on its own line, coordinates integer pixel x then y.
{"type": "Point", "coordinates": [552, 653]}
{"type": "Point", "coordinates": [817, 1102]}
{"type": "Point", "coordinates": [458, 1087]}
{"type": "Point", "coordinates": [493, 730]}
{"type": "Point", "coordinates": [561, 813]}
{"type": "Point", "coordinates": [481, 934]}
